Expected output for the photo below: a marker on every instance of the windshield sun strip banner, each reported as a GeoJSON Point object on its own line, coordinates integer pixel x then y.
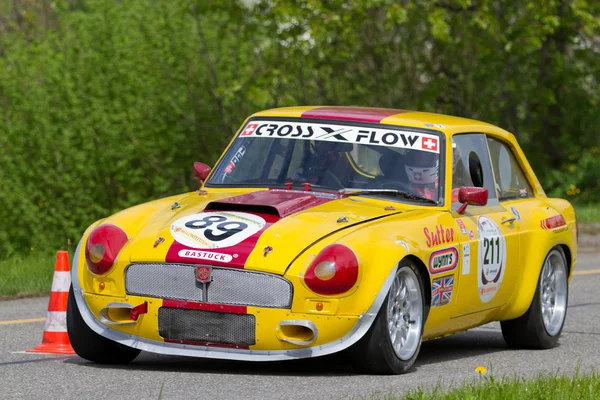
{"type": "Point", "coordinates": [342, 134]}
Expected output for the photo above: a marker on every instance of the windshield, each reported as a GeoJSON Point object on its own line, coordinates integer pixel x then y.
{"type": "Point", "coordinates": [273, 153]}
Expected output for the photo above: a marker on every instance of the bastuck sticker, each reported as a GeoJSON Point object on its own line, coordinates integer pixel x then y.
{"type": "Point", "coordinates": [344, 134]}
{"type": "Point", "coordinates": [205, 255]}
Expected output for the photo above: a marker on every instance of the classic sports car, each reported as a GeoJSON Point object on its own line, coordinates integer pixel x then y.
{"type": "Point", "coordinates": [328, 229]}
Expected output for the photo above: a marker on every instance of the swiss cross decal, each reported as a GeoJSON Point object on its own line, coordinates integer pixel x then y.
{"type": "Point", "coordinates": [418, 176]}
{"type": "Point", "coordinates": [429, 143]}
{"type": "Point", "coordinates": [249, 129]}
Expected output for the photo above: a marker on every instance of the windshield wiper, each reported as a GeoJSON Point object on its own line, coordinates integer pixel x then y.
{"type": "Point", "coordinates": [316, 190]}
{"type": "Point", "coordinates": [306, 187]}
{"type": "Point", "coordinates": [386, 192]}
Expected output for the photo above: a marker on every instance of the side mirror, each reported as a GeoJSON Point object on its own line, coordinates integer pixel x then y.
{"type": "Point", "coordinates": [200, 172]}
{"type": "Point", "coordinates": [471, 196]}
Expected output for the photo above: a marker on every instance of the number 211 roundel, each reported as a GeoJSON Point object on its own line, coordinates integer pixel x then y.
{"type": "Point", "coordinates": [492, 258]}
{"type": "Point", "coordinates": [214, 230]}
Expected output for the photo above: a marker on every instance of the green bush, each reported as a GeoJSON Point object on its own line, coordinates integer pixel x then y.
{"type": "Point", "coordinates": [107, 110]}
{"type": "Point", "coordinates": [578, 179]}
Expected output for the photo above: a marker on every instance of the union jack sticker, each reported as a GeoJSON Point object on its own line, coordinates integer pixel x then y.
{"type": "Point", "coordinates": [441, 290]}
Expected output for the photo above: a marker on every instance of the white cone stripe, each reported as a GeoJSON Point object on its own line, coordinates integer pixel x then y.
{"type": "Point", "coordinates": [61, 281]}
{"type": "Point", "coordinates": [56, 321]}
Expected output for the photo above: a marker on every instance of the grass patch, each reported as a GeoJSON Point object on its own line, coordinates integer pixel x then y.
{"type": "Point", "coordinates": [545, 386]}
{"type": "Point", "coordinates": [24, 276]}
{"type": "Point", "coordinates": [587, 213]}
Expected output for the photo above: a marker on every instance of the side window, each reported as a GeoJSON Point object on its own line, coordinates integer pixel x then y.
{"type": "Point", "coordinates": [510, 179]}
{"type": "Point", "coordinates": [471, 166]}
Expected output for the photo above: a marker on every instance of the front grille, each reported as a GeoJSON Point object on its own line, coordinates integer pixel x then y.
{"type": "Point", "coordinates": [228, 286]}
{"type": "Point", "coordinates": [206, 326]}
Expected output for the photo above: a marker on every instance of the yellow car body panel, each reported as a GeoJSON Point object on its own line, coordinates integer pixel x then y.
{"type": "Point", "coordinates": [381, 232]}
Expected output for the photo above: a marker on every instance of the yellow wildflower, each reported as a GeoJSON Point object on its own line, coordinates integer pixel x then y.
{"type": "Point", "coordinates": [481, 370]}
{"type": "Point", "coordinates": [573, 190]}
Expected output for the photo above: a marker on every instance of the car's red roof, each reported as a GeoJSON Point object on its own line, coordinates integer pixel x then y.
{"type": "Point", "coordinates": [362, 114]}
{"type": "Point", "coordinates": [446, 123]}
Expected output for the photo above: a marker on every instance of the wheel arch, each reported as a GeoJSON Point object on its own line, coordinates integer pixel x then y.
{"type": "Point", "coordinates": [427, 279]}
{"type": "Point", "coordinates": [568, 256]}
{"type": "Point", "coordinates": [525, 291]}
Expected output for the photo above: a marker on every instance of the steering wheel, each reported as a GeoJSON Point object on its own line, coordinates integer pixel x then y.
{"type": "Point", "coordinates": [326, 178]}
{"type": "Point", "coordinates": [330, 176]}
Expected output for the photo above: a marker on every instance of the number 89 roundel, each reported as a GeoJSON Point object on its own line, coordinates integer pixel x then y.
{"type": "Point", "coordinates": [491, 260]}
{"type": "Point", "coordinates": [213, 230]}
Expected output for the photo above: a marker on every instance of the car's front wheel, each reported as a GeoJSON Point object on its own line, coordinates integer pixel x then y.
{"type": "Point", "coordinates": [541, 325]}
{"type": "Point", "coordinates": [392, 344]}
{"type": "Point", "coordinates": [91, 346]}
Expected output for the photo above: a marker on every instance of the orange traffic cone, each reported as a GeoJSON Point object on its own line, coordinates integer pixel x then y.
{"type": "Point", "coordinates": [55, 339]}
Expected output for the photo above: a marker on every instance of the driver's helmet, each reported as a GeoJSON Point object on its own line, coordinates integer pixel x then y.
{"type": "Point", "coordinates": [327, 154]}
{"type": "Point", "coordinates": [422, 167]}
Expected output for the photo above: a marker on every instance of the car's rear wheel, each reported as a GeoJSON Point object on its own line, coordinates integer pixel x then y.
{"type": "Point", "coordinates": [541, 325]}
{"type": "Point", "coordinates": [392, 344]}
{"type": "Point", "coordinates": [91, 346]}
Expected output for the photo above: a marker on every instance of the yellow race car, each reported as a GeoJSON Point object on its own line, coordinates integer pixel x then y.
{"type": "Point", "coordinates": [329, 229]}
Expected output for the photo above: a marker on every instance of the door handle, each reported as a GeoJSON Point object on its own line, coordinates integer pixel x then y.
{"type": "Point", "coordinates": [509, 220]}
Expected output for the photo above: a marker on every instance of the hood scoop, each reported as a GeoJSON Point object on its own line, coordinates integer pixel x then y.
{"type": "Point", "coordinates": [280, 203]}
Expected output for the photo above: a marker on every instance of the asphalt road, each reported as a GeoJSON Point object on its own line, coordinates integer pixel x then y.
{"type": "Point", "coordinates": [448, 361]}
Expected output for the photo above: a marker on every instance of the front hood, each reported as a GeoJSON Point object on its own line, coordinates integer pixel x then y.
{"type": "Point", "coordinates": [226, 231]}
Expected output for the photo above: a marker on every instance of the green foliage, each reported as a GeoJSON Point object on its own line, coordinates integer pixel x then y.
{"type": "Point", "coordinates": [108, 110]}
{"type": "Point", "coordinates": [578, 178]}
{"type": "Point", "coordinates": [545, 386]}
{"type": "Point", "coordinates": [106, 104]}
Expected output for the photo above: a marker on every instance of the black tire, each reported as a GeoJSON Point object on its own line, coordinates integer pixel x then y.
{"type": "Point", "coordinates": [374, 353]}
{"type": "Point", "coordinates": [529, 331]}
{"type": "Point", "coordinates": [91, 346]}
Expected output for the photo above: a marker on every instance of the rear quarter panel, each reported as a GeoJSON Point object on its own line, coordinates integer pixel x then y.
{"type": "Point", "coordinates": [536, 242]}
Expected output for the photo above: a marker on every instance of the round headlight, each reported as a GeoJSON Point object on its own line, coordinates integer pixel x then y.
{"type": "Point", "coordinates": [333, 271]}
{"type": "Point", "coordinates": [102, 247]}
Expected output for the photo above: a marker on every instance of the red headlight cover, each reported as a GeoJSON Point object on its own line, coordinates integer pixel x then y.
{"type": "Point", "coordinates": [102, 247]}
{"type": "Point", "coordinates": [346, 271]}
